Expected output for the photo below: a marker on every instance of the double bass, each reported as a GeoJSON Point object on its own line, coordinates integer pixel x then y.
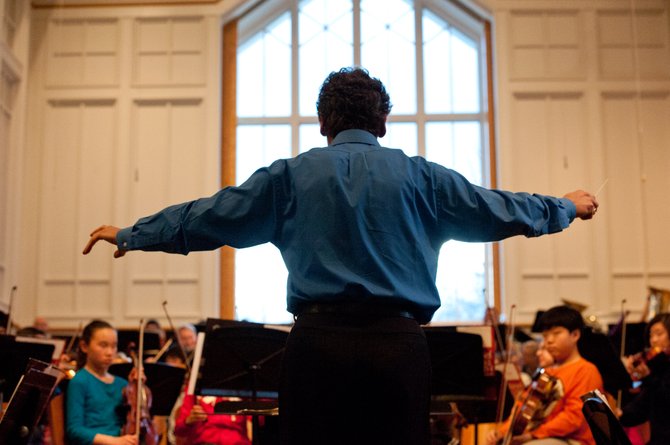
{"type": "Point", "coordinates": [138, 398]}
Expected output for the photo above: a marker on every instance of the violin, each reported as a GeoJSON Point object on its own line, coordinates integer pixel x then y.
{"type": "Point", "coordinates": [138, 397]}
{"type": "Point", "coordinates": [650, 354]}
{"type": "Point", "coordinates": [542, 392]}
{"type": "Point", "coordinates": [646, 358]}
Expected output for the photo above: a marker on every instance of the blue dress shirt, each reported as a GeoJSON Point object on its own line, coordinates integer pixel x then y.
{"type": "Point", "coordinates": [353, 221]}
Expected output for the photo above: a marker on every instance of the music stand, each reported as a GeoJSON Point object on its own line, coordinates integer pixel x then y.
{"type": "Point", "coordinates": [28, 402]}
{"type": "Point", "coordinates": [520, 334]}
{"type": "Point", "coordinates": [448, 348]}
{"type": "Point", "coordinates": [127, 337]}
{"type": "Point", "coordinates": [241, 359]}
{"type": "Point", "coordinates": [536, 322]}
{"type": "Point", "coordinates": [597, 349]}
{"type": "Point", "coordinates": [635, 338]}
{"type": "Point", "coordinates": [458, 374]}
{"type": "Point", "coordinates": [604, 425]}
{"type": "Point", "coordinates": [15, 356]}
{"type": "Point", "coordinates": [164, 381]}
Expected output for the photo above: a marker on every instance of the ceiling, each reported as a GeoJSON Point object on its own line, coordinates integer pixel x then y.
{"type": "Point", "coordinates": [78, 3]}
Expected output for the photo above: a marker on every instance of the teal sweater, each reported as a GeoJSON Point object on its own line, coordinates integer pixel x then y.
{"type": "Point", "coordinates": [93, 407]}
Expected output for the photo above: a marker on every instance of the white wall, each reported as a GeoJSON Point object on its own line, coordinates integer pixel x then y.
{"type": "Point", "coordinates": [123, 121]}
{"type": "Point", "coordinates": [14, 33]}
{"type": "Point", "coordinates": [123, 117]}
{"type": "Point", "coordinates": [583, 99]}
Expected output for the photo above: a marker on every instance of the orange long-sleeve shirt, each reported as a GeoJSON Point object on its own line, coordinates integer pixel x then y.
{"type": "Point", "coordinates": [566, 419]}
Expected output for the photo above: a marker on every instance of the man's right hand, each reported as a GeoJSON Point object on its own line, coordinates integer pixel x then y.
{"type": "Point", "coordinates": [105, 233]}
{"type": "Point", "coordinates": [585, 202]}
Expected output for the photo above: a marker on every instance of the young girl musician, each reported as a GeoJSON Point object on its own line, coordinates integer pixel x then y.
{"type": "Point", "coordinates": [653, 369]}
{"type": "Point", "coordinates": [94, 400]}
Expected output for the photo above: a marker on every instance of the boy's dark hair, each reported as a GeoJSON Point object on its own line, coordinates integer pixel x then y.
{"type": "Point", "coordinates": [561, 316]}
{"type": "Point", "coordinates": [351, 99]}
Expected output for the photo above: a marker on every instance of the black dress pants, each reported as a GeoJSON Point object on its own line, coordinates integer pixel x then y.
{"type": "Point", "coordinates": [351, 380]}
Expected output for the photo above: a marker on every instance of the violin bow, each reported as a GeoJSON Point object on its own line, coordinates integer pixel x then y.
{"type": "Point", "coordinates": [9, 310]}
{"type": "Point", "coordinates": [503, 385]}
{"type": "Point", "coordinates": [176, 334]}
{"type": "Point", "coordinates": [140, 389]}
{"type": "Point", "coordinates": [622, 346]}
{"type": "Point", "coordinates": [70, 345]}
{"type": "Point", "coordinates": [162, 351]}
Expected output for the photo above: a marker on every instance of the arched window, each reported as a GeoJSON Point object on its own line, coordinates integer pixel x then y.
{"type": "Point", "coordinates": [431, 56]}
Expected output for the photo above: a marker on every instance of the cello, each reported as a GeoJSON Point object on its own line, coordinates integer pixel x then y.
{"type": "Point", "coordinates": [138, 398]}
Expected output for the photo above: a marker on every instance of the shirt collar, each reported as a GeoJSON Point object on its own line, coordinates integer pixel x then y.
{"type": "Point", "coordinates": [356, 137]}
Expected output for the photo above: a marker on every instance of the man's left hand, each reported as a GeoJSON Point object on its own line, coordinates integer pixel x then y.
{"type": "Point", "coordinates": [105, 233]}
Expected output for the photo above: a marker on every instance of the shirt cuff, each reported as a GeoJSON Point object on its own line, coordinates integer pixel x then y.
{"type": "Point", "coordinates": [569, 208]}
{"type": "Point", "coordinates": [123, 238]}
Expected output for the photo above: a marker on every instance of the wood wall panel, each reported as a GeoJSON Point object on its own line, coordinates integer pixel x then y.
{"type": "Point", "coordinates": [77, 191]}
{"type": "Point", "coordinates": [622, 163]}
{"type": "Point", "coordinates": [548, 131]}
{"type": "Point", "coordinates": [83, 52]}
{"type": "Point", "coordinates": [546, 45]}
{"type": "Point", "coordinates": [655, 144]}
{"type": "Point", "coordinates": [633, 45]}
{"type": "Point", "coordinates": [170, 51]}
{"type": "Point", "coordinates": [637, 160]}
{"type": "Point", "coordinates": [168, 140]}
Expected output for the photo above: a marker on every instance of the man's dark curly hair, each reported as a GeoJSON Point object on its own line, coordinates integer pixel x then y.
{"type": "Point", "coordinates": [351, 99]}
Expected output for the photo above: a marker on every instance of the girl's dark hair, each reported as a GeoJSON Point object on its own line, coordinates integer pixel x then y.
{"type": "Point", "coordinates": [663, 318]}
{"type": "Point", "coordinates": [351, 99]}
{"type": "Point", "coordinates": [561, 316]}
{"type": "Point", "coordinates": [86, 335]}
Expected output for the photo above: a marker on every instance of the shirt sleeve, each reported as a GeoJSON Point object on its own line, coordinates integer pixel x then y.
{"type": "Point", "coordinates": [472, 213]}
{"type": "Point", "coordinates": [235, 216]}
{"type": "Point", "coordinates": [181, 428]}
{"type": "Point", "coordinates": [77, 432]}
{"type": "Point", "coordinates": [570, 418]}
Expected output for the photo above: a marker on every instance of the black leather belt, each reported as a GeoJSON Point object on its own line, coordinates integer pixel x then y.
{"type": "Point", "coordinates": [367, 310]}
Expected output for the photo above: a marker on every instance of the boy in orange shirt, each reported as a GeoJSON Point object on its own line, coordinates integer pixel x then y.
{"type": "Point", "coordinates": [561, 329]}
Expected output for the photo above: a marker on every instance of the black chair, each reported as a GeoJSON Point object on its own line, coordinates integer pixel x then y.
{"type": "Point", "coordinates": [604, 425]}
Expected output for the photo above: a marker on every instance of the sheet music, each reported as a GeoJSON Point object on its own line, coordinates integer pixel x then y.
{"type": "Point", "coordinates": [602, 397]}
{"type": "Point", "coordinates": [58, 344]}
{"type": "Point", "coordinates": [279, 327]}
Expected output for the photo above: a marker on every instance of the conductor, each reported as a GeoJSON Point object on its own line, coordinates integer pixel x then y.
{"type": "Point", "coordinates": [359, 227]}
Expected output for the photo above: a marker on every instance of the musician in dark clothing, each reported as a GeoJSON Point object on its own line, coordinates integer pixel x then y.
{"type": "Point", "coordinates": [653, 402]}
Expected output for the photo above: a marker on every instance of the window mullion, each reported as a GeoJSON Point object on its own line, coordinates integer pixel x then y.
{"type": "Point", "coordinates": [420, 104]}
{"type": "Point", "coordinates": [356, 4]}
{"type": "Point", "coordinates": [295, 81]}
